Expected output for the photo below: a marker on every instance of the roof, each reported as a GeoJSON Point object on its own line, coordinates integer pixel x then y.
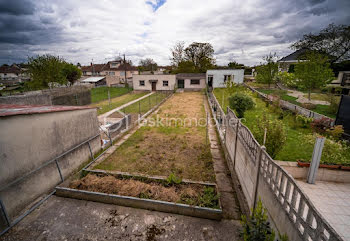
{"type": "Point", "coordinates": [93, 79]}
{"type": "Point", "coordinates": [11, 110]}
{"type": "Point", "coordinates": [106, 67]}
{"type": "Point", "coordinates": [293, 56]}
{"type": "Point", "coordinates": [95, 67]}
{"type": "Point", "coordinates": [10, 69]}
{"type": "Point", "coordinates": [191, 75]}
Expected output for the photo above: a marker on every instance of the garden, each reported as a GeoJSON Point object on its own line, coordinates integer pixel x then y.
{"type": "Point", "coordinates": [289, 137]}
{"type": "Point", "coordinates": [167, 159]}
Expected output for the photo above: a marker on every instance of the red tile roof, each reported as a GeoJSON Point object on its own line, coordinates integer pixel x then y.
{"type": "Point", "coordinates": [10, 69]}
{"type": "Point", "coordinates": [11, 110]}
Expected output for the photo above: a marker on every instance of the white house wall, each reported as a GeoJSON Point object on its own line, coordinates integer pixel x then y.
{"type": "Point", "coordinates": [148, 86]}
{"type": "Point", "coordinates": [218, 76]}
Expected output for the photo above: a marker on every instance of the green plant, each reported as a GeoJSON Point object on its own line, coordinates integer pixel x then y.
{"type": "Point", "coordinates": [303, 121]}
{"type": "Point", "coordinates": [335, 132]}
{"type": "Point", "coordinates": [334, 104]}
{"type": "Point", "coordinates": [209, 198]}
{"type": "Point", "coordinates": [333, 151]}
{"type": "Point", "coordinates": [288, 79]}
{"type": "Point", "coordinates": [275, 134]}
{"type": "Point", "coordinates": [173, 179]}
{"type": "Point", "coordinates": [257, 228]}
{"type": "Point", "coordinates": [241, 103]}
{"type": "Point", "coordinates": [266, 73]}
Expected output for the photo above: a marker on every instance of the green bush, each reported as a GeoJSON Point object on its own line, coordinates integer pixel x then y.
{"type": "Point", "coordinates": [335, 132]}
{"type": "Point", "coordinates": [303, 121]}
{"type": "Point", "coordinates": [240, 103]}
{"type": "Point", "coordinates": [287, 79]}
{"type": "Point", "coordinates": [333, 151]}
{"type": "Point", "coordinates": [257, 228]}
{"type": "Point", "coordinates": [275, 134]}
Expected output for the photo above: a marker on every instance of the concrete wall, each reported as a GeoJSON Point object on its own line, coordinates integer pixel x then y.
{"type": "Point", "coordinates": [218, 76]}
{"type": "Point", "coordinates": [159, 86]}
{"type": "Point", "coordinates": [75, 95]}
{"type": "Point", "coordinates": [188, 85]}
{"type": "Point", "coordinates": [29, 141]}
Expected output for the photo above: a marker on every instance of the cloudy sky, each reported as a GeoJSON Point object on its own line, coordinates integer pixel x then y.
{"type": "Point", "coordinates": [80, 31]}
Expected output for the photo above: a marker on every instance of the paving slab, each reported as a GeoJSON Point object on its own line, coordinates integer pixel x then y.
{"type": "Point", "coordinates": [332, 200]}
{"type": "Point", "coordinates": [71, 219]}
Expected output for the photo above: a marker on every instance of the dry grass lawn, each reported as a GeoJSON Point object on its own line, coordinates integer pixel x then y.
{"type": "Point", "coordinates": [178, 148]}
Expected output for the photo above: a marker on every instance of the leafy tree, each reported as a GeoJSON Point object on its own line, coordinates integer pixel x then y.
{"type": "Point", "coordinates": [235, 65]}
{"type": "Point", "coordinates": [241, 103]}
{"type": "Point", "coordinates": [201, 55]}
{"type": "Point", "coordinates": [266, 73]}
{"type": "Point", "coordinates": [313, 73]}
{"type": "Point", "coordinates": [333, 41]}
{"type": "Point", "coordinates": [185, 67]}
{"type": "Point", "coordinates": [71, 72]}
{"type": "Point", "coordinates": [147, 64]}
{"type": "Point", "coordinates": [178, 52]}
{"type": "Point", "coordinates": [45, 69]}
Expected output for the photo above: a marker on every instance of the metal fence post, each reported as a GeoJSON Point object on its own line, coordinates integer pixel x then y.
{"type": "Point", "coordinates": [7, 219]}
{"type": "Point", "coordinates": [236, 140]}
{"type": "Point", "coordinates": [316, 158]}
{"type": "Point", "coordinates": [59, 170]}
{"type": "Point", "coordinates": [257, 176]}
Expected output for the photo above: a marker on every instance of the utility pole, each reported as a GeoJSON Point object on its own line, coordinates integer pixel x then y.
{"type": "Point", "coordinates": [126, 82]}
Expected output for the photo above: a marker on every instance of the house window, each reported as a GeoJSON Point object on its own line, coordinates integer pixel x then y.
{"type": "Point", "coordinates": [122, 73]}
{"type": "Point", "coordinates": [84, 72]}
{"type": "Point", "coordinates": [165, 83]}
{"type": "Point", "coordinates": [142, 83]}
{"type": "Point", "coordinates": [111, 73]}
{"type": "Point", "coordinates": [227, 78]}
{"type": "Point", "coordinates": [195, 81]}
{"type": "Point", "coordinates": [113, 65]}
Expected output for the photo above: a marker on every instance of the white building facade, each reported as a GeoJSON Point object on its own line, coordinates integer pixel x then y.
{"type": "Point", "coordinates": [217, 78]}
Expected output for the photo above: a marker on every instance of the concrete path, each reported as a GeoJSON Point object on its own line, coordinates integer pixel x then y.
{"type": "Point", "coordinates": [332, 200]}
{"type": "Point", "coordinates": [105, 115]}
{"type": "Point", "coordinates": [228, 196]}
{"type": "Point", "coordinates": [71, 219]}
{"type": "Point", "coordinates": [302, 99]}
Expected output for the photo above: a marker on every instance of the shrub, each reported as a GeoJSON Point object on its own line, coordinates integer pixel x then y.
{"type": "Point", "coordinates": [275, 134]}
{"type": "Point", "coordinates": [241, 103]}
{"type": "Point", "coordinates": [309, 106]}
{"type": "Point", "coordinates": [287, 79]}
{"type": "Point", "coordinates": [333, 151]}
{"type": "Point", "coordinates": [303, 121]}
{"type": "Point", "coordinates": [333, 107]}
{"type": "Point", "coordinates": [335, 132]}
{"type": "Point", "coordinates": [320, 125]}
{"type": "Point", "coordinates": [257, 228]}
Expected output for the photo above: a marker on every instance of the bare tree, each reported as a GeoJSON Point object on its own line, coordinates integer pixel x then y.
{"type": "Point", "coordinates": [177, 52]}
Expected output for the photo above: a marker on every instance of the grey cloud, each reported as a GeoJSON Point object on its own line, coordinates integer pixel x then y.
{"type": "Point", "coordinates": [16, 7]}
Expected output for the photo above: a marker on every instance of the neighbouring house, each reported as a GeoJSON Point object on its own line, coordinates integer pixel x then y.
{"type": "Point", "coordinates": [154, 82]}
{"type": "Point", "coordinates": [96, 81]}
{"type": "Point", "coordinates": [287, 63]}
{"type": "Point", "coordinates": [114, 71]}
{"type": "Point", "coordinates": [217, 78]}
{"type": "Point", "coordinates": [190, 81]}
{"type": "Point", "coordinates": [343, 82]}
{"type": "Point", "coordinates": [12, 75]}
{"type": "Point", "coordinates": [35, 141]}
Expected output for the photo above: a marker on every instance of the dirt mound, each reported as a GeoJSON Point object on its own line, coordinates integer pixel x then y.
{"type": "Point", "coordinates": [134, 188]}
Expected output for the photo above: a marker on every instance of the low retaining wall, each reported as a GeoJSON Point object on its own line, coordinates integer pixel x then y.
{"type": "Point", "coordinates": [289, 209]}
{"type": "Point", "coordinates": [294, 108]}
{"type": "Point", "coordinates": [155, 205]}
{"type": "Point", "coordinates": [323, 174]}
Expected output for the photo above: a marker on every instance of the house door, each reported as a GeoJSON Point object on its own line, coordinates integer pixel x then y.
{"type": "Point", "coordinates": [180, 83]}
{"type": "Point", "coordinates": [154, 84]}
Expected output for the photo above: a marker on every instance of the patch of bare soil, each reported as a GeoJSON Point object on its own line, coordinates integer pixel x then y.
{"type": "Point", "coordinates": [181, 193]}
